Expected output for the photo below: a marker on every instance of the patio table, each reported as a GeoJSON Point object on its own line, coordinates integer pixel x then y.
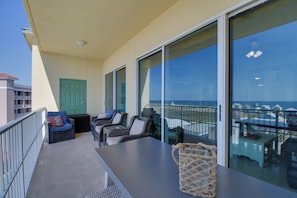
{"type": "Point", "coordinates": [145, 168]}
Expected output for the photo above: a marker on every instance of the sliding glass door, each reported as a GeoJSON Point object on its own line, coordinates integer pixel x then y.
{"type": "Point", "coordinates": [263, 58]}
{"type": "Point", "coordinates": [190, 95]}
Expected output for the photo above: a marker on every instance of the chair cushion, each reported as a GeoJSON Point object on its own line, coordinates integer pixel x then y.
{"type": "Point", "coordinates": [56, 121]}
{"type": "Point", "coordinates": [101, 115]}
{"type": "Point", "coordinates": [98, 128]}
{"type": "Point", "coordinates": [114, 140]}
{"type": "Point", "coordinates": [117, 118]}
{"type": "Point", "coordinates": [65, 127]}
{"type": "Point", "coordinates": [137, 127]}
{"type": "Point", "coordinates": [110, 113]}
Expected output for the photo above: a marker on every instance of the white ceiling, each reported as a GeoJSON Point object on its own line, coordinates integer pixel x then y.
{"type": "Point", "coordinates": [104, 24]}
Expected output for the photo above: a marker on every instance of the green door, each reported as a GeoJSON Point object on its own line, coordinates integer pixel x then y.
{"type": "Point", "coordinates": [73, 96]}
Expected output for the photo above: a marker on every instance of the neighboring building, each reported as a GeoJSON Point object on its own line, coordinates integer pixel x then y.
{"type": "Point", "coordinates": [15, 99]}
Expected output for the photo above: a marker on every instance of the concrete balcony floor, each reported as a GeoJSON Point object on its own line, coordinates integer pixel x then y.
{"type": "Point", "coordinates": [68, 169]}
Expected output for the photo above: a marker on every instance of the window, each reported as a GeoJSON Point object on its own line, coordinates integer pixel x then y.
{"type": "Point", "coordinates": [263, 51]}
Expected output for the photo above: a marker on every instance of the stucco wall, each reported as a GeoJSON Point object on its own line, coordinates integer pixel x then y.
{"type": "Point", "coordinates": [182, 18]}
{"type": "Point", "coordinates": [48, 68]}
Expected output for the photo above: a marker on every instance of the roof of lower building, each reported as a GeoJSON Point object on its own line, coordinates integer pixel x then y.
{"type": "Point", "coordinates": [7, 76]}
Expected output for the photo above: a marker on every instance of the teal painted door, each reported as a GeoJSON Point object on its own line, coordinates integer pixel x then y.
{"type": "Point", "coordinates": [73, 96]}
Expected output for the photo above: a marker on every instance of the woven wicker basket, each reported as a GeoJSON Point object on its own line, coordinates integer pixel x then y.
{"type": "Point", "coordinates": [197, 168]}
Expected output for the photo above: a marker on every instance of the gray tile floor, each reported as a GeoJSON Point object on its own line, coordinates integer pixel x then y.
{"type": "Point", "coordinates": [67, 169]}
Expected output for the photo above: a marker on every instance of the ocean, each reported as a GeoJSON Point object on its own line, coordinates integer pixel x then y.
{"type": "Point", "coordinates": [283, 104]}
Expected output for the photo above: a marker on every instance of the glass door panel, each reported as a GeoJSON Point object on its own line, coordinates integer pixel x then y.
{"type": "Point", "coordinates": [150, 75]}
{"type": "Point", "coordinates": [108, 91]}
{"type": "Point", "coordinates": [263, 60]}
{"type": "Point", "coordinates": [190, 103]}
{"type": "Point", "coordinates": [121, 90]}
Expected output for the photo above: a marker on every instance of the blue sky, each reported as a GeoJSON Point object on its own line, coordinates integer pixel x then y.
{"type": "Point", "coordinates": [15, 56]}
{"type": "Point", "coordinates": [271, 76]}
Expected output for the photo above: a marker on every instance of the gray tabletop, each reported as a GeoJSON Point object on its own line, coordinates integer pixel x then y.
{"type": "Point", "coordinates": [145, 168]}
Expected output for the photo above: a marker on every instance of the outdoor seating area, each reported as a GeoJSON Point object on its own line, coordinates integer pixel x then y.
{"type": "Point", "coordinates": [118, 119]}
{"type": "Point", "coordinates": [138, 127]}
{"type": "Point", "coordinates": [102, 118]}
{"type": "Point", "coordinates": [60, 127]}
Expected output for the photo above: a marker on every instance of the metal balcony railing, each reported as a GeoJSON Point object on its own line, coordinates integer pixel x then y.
{"type": "Point", "coordinates": [264, 121]}
{"type": "Point", "coordinates": [20, 144]}
{"type": "Point", "coordinates": [198, 123]}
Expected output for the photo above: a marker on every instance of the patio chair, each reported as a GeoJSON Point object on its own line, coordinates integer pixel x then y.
{"type": "Point", "coordinates": [102, 118]}
{"type": "Point", "coordinates": [60, 127]}
{"type": "Point", "coordinates": [138, 127]}
{"type": "Point", "coordinates": [118, 119]}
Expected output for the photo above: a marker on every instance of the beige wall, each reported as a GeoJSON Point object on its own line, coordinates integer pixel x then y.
{"type": "Point", "coordinates": [180, 19]}
{"type": "Point", "coordinates": [48, 68]}
{"type": "Point", "coordinates": [183, 17]}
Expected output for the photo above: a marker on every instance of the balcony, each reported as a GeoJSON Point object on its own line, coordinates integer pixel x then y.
{"type": "Point", "coordinates": [71, 168]}
{"type": "Point", "coordinates": [33, 168]}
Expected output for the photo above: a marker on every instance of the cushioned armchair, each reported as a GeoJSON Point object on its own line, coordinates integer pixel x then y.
{"type": "Point", "coordinates": [60, 127]}
{"type": "Point", "coordinates": [118, 119]}
{"type": "Point", "coordinates": [102, 118]}
{"type": "Point", "coordinates": [138, 127]}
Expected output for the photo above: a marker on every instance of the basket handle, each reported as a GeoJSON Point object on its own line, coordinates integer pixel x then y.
{"type": "Point", "coordinates": [174, 148]}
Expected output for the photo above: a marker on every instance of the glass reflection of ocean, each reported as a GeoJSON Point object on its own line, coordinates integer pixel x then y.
{"type": "Point", "coordinates": [282, 104]}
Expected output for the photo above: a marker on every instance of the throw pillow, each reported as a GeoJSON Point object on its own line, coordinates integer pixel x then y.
{"type": "Point", "coordinates": [137, 127]}
{"type": "Point", "coordinates": [116, 119]}
{"type": "Point", "coordinates": [56, 121]}
{"type": "Point", "coordinates": [110, 113]}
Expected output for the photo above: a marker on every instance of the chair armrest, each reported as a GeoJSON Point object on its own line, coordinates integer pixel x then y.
{"type": "Point", "coordinates": [100, 129]}
{"type": "Point", "coordinates": [102, 121]}
{"type": "Point", "coordinates": [133, 137]}
{"type": "Point", "coordinates": [119, 132]}
{"type": "Point", "coordinates": [71, 121]}
{"type": "Point", "coordinates": [49, 124]}
{"type": "Point", "coordinates": [109, 124]}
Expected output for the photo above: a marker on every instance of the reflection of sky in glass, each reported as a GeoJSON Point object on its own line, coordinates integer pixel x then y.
{"type": "Point", "coordinates": [155, 83]}
{"type": "Point", "coordinates": [272, 75]}
{"type": "Point", "coordinates": [190, 77]}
